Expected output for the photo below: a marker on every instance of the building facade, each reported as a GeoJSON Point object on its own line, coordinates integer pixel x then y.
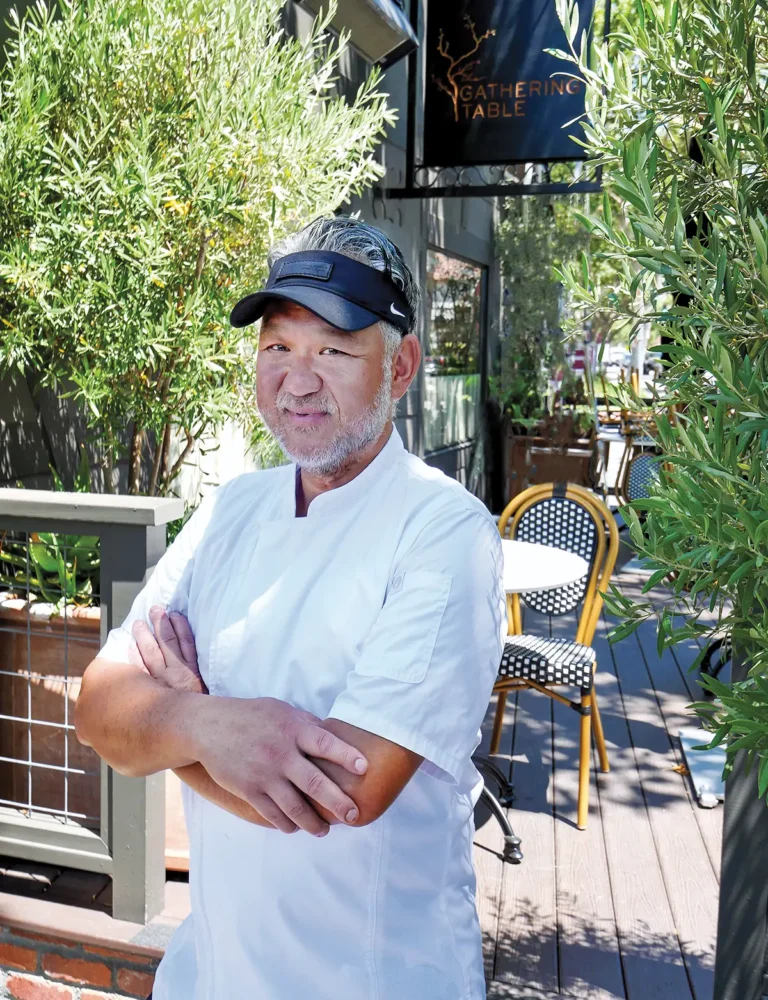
{"type": "Point", "coordinates": [449, 244]}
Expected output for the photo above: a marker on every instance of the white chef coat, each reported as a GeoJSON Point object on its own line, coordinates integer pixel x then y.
{"type": "Point", "coordinates": [383, 608]}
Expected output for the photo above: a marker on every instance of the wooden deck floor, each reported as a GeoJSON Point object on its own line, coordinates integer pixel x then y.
{"type": "Point", "coordinates": [627, 909]}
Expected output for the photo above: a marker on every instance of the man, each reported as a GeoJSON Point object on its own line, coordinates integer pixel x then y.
{"type": "Point", "coordinates": [348, 621]}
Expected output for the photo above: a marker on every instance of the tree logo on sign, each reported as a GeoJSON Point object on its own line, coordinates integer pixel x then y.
{"type": "Point", "coordinates": [459, 71]}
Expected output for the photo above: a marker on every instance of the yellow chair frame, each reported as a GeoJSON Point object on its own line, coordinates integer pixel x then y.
{"type": "Point", "coordinates": [602, 567]}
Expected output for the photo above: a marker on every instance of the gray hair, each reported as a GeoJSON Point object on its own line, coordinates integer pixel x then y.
{"type": "Point", "coordinates": [360, 241]}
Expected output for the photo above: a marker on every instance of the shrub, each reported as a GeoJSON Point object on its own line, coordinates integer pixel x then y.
{"type": "Point", "coordinates": [677, 114]}
{"type": "Point", "coordinates": [150, 150]}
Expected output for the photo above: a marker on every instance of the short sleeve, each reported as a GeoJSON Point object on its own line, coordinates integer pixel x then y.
{"type": "Point", "coordinates": [425, 673]}
{"type": "Point", "coordinates": [168, 585]}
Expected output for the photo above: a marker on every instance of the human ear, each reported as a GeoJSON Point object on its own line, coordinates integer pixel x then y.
{"type": "Point", "coordinates": [405, 365]}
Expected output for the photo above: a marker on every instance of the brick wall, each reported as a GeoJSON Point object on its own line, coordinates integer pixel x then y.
{"type": "Point", "coordinates": [33, 967]}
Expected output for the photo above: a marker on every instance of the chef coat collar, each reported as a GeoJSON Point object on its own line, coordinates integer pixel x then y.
{"type": "Point", "coordinates": [341, 497]}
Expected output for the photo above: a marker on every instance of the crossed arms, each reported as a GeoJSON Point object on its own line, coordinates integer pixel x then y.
{"type": "Point", "coordinates": [440, 631]}
{"type": "Point", "coordinates": [261, 759]}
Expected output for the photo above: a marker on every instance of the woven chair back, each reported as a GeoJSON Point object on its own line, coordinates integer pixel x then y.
{"type": "Point", "coordinates": [566, 517]}
{"type": "Point", "coordinates": [564, 524]}
{"type": "Point", "coordinates": [642, 473]}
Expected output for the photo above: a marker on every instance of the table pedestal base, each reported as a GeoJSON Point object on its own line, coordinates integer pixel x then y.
{"type": "Point", "coordinates": [512, 852]}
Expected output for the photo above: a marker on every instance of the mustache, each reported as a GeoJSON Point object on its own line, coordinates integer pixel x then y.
{"type": "Point", "coordinates": [315, 401]}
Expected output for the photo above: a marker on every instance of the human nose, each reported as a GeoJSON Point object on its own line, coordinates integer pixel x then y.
{"type": "Point", "coordinates": [300, 378]}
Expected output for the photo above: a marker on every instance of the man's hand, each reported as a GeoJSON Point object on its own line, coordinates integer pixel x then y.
{"type": "Point", "coordinates": [170, 656]}
{"type": "Point", "coordinates": [255, 749]}
{"type": "Point", "coordinates": [258, 750]}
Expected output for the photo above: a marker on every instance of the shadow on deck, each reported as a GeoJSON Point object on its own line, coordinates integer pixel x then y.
{"type": "Point", "coordinates": [627, 909]}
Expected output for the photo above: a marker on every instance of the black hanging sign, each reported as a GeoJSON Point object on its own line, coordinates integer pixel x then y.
{"type": "Point", "coordinates": [489, 91]}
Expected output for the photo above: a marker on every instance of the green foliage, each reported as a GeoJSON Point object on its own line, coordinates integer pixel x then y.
{"type": "Point", "coordinates": [66, 567]}
{"type": "Point", "coordinates": [150, 150]}
{"type": "Point", "coordinates": [533, 236]}
{"type": "Point", "coordinates": [81, 482]}
{"type": "Point", "coordinates": [678, 117]}
{"type": "Point", "coordinates": [174, 527]}
{"type": "Point", "coordinates": [572, 401]}
{"type": "Point", "coordinates": [60, 569]}
{"type": "Point", "coordinates": [536, 239]}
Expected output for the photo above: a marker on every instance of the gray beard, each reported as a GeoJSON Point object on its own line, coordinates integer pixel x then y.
{"type": "Point", "coordinates": [350, 440]}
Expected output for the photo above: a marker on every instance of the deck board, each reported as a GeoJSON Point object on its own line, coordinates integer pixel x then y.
{"type": "Point", "coordinates": [526, 951]}
{"type": "Point", "coordinates": [489, 844]}
{"type": "Point", "coordinates": [627, 909]}
{"type": "Point", "coordinates": [676, 687]}
{"type": "Point", "coordinates": [590, 966]}
{"type": "Point", "coordinates": [651, 957]}
{"type": "Point", "coordinates": [686, 868]}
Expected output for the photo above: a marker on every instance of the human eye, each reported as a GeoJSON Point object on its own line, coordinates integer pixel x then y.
{"type": "Point", "coordinates": [274, 348]}
{"type": "Point", "coordinates": [331, 351]}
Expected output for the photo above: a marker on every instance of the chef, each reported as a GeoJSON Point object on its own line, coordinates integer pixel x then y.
{"type": "Point", "coordinates": [313, 656]}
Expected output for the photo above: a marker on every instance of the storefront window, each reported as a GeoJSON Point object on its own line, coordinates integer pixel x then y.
{"type": "Point", "coordinates": [452, 364]}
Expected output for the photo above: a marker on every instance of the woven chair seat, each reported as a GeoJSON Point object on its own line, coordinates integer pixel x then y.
{"type": "Point", "coordinates": [547, 661]}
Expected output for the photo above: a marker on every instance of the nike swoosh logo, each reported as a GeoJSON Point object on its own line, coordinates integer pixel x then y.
{"type": "Point", "coordinates": [396, 311]}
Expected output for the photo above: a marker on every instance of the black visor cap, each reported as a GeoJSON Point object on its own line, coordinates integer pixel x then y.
{"type": "Point", "coordinates": [344, 292]}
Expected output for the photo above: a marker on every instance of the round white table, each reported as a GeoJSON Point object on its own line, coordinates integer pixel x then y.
{"type": "Point", "coordinates": [530, 567]}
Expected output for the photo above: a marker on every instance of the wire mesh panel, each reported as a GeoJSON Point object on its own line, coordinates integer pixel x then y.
{"type": "Point", "coordinates": [61, 589]}
{"type": "Point", "coordinates": [49, 632]}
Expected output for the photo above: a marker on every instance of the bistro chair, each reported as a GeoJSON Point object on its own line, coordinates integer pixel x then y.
{"type": "Point", "coordinates": [571, 518]}
{"type": "Point", "coordinates": [638, 472]}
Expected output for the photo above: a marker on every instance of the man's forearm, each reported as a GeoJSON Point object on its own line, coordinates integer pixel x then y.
{"type": "Point", "coordinates": [390, 768]}
{"type": "Point", "coordinates": [198, 779]}
{"type": "Point", "coordinates": [137, 725]}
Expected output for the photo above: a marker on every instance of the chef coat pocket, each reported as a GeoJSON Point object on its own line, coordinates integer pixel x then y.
{"type": "Point", "coordinates": [402, 641]}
